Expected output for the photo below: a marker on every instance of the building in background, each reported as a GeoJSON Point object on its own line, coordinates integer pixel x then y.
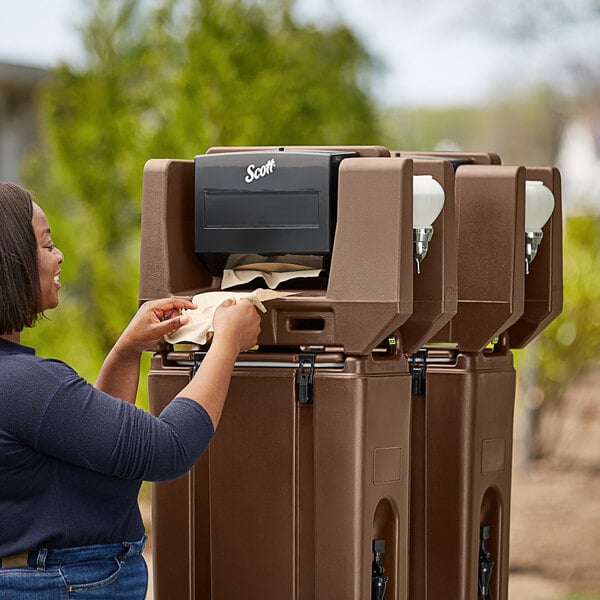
{"type": "Point", "coordinates": [18, 116]}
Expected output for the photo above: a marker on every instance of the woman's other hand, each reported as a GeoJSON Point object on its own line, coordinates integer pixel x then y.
{"type": "Point", "coordinates": [153, 320]}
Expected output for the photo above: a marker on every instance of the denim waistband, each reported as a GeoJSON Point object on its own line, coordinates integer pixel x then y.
{"type": "Point", "coordinates": [50, 557]}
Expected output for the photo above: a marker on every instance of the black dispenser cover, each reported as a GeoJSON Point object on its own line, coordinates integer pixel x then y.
{"type": "Point", "coordinates": [265, 202]}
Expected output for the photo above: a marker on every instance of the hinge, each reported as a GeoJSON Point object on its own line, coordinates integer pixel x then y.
{"type": "Point", "coordinates": [418, 370]}
{"type": "Point", "coordinates": [305, 373]}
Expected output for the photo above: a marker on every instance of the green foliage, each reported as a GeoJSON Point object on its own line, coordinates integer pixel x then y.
{"type": "Point", "coordinates": [171, 82]}
{"type": "Point", "coordinates": [571, 343]}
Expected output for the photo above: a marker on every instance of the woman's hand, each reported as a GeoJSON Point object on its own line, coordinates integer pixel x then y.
{"type": "Point", "coordinates": [236, 327]}
{"type": "Point", "coordinates": [236, 324]}
{"type": "Point", "coordinates": [153, 320]}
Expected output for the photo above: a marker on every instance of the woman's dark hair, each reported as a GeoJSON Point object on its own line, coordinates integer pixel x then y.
{"type": "Point", "coordinates": [19, 275]}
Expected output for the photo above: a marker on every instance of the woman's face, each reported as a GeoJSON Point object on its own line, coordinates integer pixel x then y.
{"type": "Point", "coordinates": [49, 259]}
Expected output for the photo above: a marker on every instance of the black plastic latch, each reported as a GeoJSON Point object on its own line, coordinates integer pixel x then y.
{"type": "Point", "coordinates": [486, 564]}
{"type": "Point", "coordinates": [418, 370]}
{"type": "Point", "coordinates": [306, 371]}
{"type": "Point", "coordinates": [198, 358]}
{"type": "Point", "coordinates": [379, 581]}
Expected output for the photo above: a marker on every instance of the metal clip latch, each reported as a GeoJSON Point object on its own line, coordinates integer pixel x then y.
{"type": "Point", "coordinates": [306, 371]}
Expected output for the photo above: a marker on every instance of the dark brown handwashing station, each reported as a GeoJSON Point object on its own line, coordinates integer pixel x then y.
{"type": "Point", "coordinates": [463, 415]}
{"type": "Point", "coordinates": [365, 446]}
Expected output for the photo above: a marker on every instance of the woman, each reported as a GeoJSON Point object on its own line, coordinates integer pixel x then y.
{"type": "Point", "coordinates": [73, 455]}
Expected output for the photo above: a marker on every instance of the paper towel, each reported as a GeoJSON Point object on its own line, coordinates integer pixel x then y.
{"type": "Point", "coordinates": [199, 329]}
{"type": "Point", "coordinates": [242, 268]}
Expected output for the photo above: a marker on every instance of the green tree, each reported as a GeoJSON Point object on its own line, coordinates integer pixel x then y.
{"type": "Point", "coordinates": [571, 343]}
{"type": "Point", "coordinates": [172, 81]}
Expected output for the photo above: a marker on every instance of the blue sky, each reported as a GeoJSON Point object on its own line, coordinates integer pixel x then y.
{"type": "Point", "coordinates": [424, 60]}
{"type": "Point", "coordinates": [38, 32]}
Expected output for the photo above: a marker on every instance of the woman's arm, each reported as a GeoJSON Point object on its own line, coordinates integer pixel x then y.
{"type": "Point", "coordinates": [120, 372]}
{"type": "Point", "coordinates": [236, 328]}
{"type": "Point", "coordinates": [86, 427]}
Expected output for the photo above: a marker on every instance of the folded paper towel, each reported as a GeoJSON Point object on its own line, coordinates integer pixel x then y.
{"type": "Point", "coordinates": [242, 268]}
{"type": "Point", "coordinates": [199, 329]}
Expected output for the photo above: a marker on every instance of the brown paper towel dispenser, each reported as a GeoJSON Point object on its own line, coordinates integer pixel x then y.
{"type": "Point", "coordinates": [366, 290]}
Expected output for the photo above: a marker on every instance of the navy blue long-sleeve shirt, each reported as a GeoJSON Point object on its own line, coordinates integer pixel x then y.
{"type": "Point", "coordinates": [72, 457]}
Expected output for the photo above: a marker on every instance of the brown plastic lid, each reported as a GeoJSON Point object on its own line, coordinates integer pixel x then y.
{"type": "Point", "coordinates": [490, 204]}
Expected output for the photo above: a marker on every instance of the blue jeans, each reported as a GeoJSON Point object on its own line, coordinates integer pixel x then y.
{"type": "Point", "coordinates": [99, 572]}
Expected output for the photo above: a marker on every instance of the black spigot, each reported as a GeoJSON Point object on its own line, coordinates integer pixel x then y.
{"type": "Point", "coordinates": [486, 564]}
{"type": "Point", "coordinates": [379, 581]}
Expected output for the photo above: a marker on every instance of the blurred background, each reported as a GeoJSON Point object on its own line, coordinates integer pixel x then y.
{"type": "Point", "coordinates": [90, 90]}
